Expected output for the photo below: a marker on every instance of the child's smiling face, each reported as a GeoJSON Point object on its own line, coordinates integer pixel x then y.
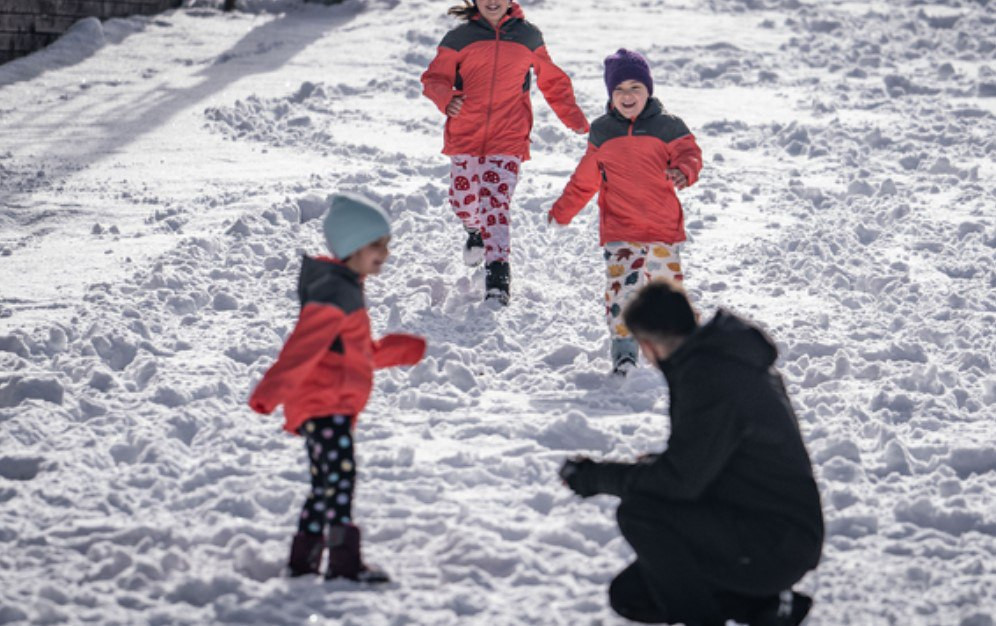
{"type": "Point", "coordinates": [629, 97]}
{"type": "Point", "coordinates": [370, 258]}
{"type": "Point", "coordinates": [493, 10]}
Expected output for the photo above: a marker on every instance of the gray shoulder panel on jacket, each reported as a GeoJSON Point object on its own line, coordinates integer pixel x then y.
{"type": "Point", "coordinates": [519, 31]}
{"type": "Point", "coordinates": [668, 127]}
{"type": "Point", "coordinates": [462, 36]}
{"type": "Point", "coordinates": [530, 37]}
{"type": "Point", "coordinates": [336, 290]}
{"type": "Point", "coordinates": [604, 128]}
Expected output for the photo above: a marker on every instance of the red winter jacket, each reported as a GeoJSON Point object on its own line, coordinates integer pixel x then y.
{"type": "Point", "coordinates": [326, 366]}
{"type": "Point", "coordinates": [625, 163]}
{"type": "Point", "coordinates": [491, 69]}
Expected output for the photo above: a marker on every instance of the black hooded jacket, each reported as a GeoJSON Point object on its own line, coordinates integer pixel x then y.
{"type": "Point", "coordinates": [735, 443]}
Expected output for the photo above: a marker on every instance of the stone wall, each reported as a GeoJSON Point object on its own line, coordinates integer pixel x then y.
{"type": "Point", "coordinates": [27, 25]}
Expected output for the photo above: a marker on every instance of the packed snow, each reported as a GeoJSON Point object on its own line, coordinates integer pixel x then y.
{"type": "Point", "coordinates": [161, 176]}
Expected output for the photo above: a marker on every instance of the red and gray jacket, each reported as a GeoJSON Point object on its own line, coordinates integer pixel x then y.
{"type": "Point", "coordinates": [491, 70]}
{"type": "Point", "coordinates": [326, 366]}
{"type": "Point", "coordinates": [625, 163]}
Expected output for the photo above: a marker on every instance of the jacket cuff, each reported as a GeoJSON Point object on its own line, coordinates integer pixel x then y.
{"type": "Point", "coordinates": [687, 171]}
{"type": "Point", "coordinates": [260, 405]}
{"type": "Point", "coordinates": [445, 101]}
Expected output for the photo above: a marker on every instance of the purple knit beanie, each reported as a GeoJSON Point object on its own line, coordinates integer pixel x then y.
{"type": "Point", "coordinates": [627, 65]}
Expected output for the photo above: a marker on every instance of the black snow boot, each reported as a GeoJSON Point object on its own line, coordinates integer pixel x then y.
{"type": "Point", "coordinates": [473, 250]}
{"type": "Point", "coordinates": [345, 559]}
{"type": "Point", "coordinates": [306, 554]}
{"type": "Point", "coordinates": [496, 281]}
{"type": "Point", "coordinates": [788, 609]}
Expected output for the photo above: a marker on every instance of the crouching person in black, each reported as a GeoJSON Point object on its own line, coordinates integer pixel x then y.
{"type": "Point", "coordinates": [728, 517]}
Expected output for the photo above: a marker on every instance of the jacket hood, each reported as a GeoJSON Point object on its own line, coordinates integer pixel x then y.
{"type": "Point", "coordinates": [653, 107]}
{"type": "Point", "coordinates": [316, 270]}
{"type": "Point", "coordinates": [731, 337]}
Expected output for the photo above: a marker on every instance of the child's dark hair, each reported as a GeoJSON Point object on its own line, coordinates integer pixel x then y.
{"type": "Point", "coordinates": [660, 310]}
{"type": "Point", "coordinates": [467, 11]}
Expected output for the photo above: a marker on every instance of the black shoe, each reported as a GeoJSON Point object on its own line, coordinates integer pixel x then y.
{"type": "Point", "coordinates": [788, 609]}
{"type": "Point", "coordinates": [496, 281]}
{"type": "Point", "coordinates": [473, 250]}
{"type": "Point", "coordinates": [372, 576]}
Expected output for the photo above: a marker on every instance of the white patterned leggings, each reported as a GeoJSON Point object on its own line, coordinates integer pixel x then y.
{"type": "Point", "coordinates": [629, 266]}
{"type": "Point", "coordinates": [481, 191]}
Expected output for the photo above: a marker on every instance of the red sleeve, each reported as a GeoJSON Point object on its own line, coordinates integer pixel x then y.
{"type": "Point", "coordinates": [398, 349]}
{"type": "Point", "coordinates": [687, 157]}
{"type": "Point", "coordinates": [584, 183]}
{"type": "Point", "coordinates": [315, 331]}
{"type": "Point", "coordinates": [437, 81]}
{"type": "Point", "coordinates": [558, 91]}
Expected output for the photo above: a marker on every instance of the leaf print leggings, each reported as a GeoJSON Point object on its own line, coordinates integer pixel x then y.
{"type": "Point", "coordinates": [330, 451]}
{"type": "Point", "coordinates": [629, 266]}
{"type": "Point", "coordinates": [481, 191]}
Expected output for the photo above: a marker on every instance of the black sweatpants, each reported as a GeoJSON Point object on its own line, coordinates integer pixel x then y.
{"type": "Point", "coordinates": [698, 565]}
{"type": "Point", "coordinates": [329, 441]}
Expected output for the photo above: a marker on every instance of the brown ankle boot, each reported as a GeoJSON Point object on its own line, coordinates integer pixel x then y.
{"type": "Point", "coordinates": [306, 554]}
{"type": "Point", "coordinates": [345, 560]}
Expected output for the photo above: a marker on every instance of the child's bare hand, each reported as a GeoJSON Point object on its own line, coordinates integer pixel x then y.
{"type": "Point", "coordinates": [677, 177]}
{"type": "Point", "coordinates": [453, 108]}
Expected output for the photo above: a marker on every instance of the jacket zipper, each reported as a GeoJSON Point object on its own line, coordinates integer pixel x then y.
{"type": "Point", "coordinates": [491, 96]}
{"type": "Point", "coordinates": [601, 197]}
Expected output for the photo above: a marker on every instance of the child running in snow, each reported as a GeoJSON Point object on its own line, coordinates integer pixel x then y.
{"type": "Point", "coordinates": [480, 80]}
{"type": "Point", "coordinates": [323, 377]}
{"type": "Point", "coordinates": [638, 155]}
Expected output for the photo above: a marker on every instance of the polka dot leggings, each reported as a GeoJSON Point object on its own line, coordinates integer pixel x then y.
{"type": "Point", "coordinates": [330, 452]}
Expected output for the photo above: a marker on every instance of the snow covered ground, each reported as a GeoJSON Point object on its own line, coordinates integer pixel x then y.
{"type": "Point", "coordinates": [159, 178]}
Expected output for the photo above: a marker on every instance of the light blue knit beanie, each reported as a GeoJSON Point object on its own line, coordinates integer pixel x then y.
{"type": "Point", "coordinates": [352, 222]}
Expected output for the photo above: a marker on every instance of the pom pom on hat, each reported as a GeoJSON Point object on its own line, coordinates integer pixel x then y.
{"type": "Point", "coordinates": [352, 222]}
{"type": "Point", "coordinates": [627, 65]}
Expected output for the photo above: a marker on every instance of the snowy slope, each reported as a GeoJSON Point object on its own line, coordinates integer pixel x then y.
{"type": "Point", "coordinates": [159, 178]}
